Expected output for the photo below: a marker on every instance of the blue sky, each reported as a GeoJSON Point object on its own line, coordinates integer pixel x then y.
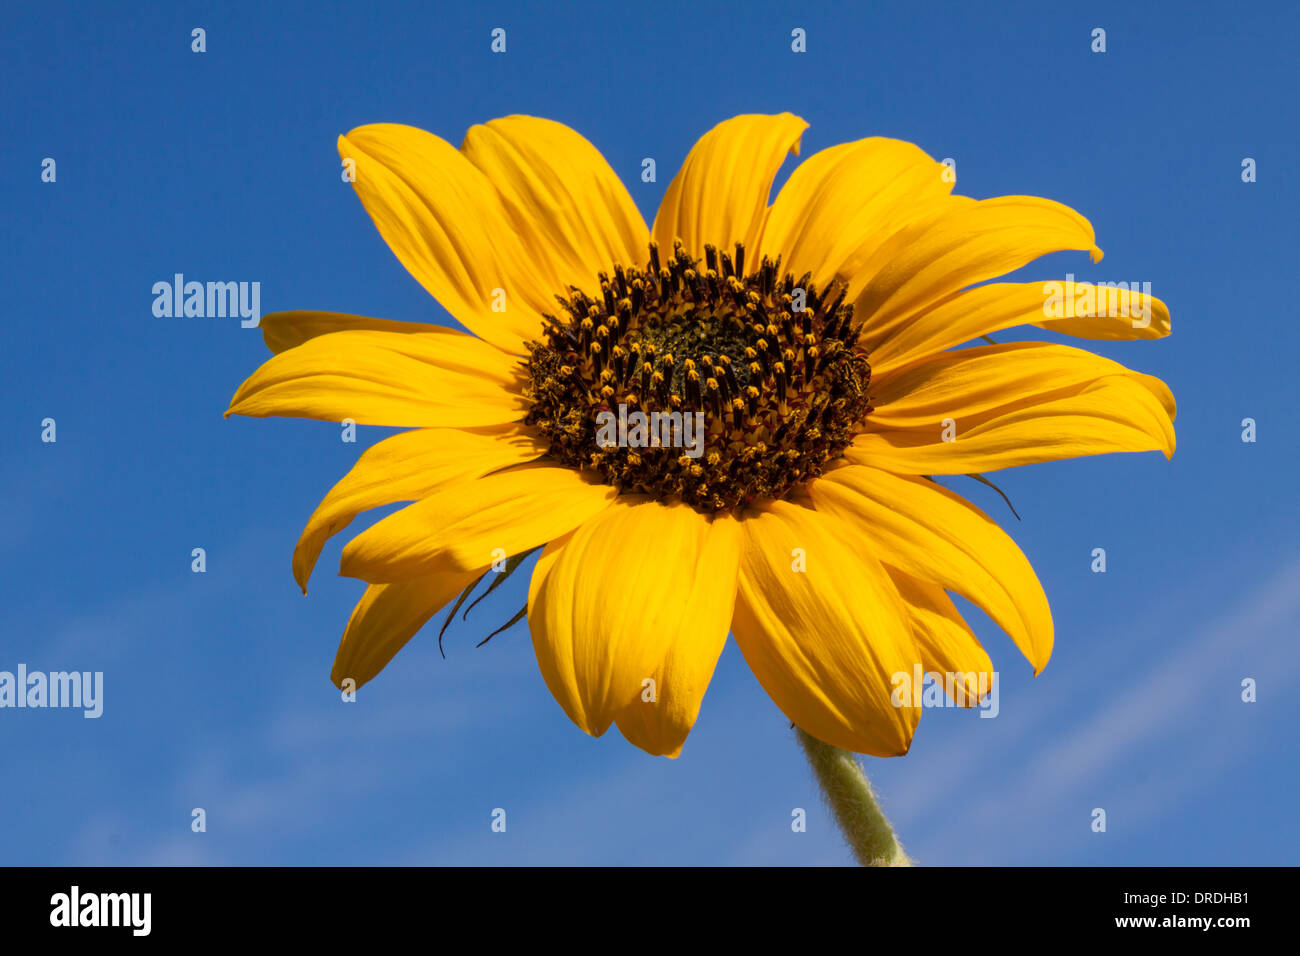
{"type": "Point", "coordinates": [222, 166]}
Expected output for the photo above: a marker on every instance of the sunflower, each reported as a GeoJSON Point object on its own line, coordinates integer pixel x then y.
{"type": "Point", "coordinates": [816, 338]}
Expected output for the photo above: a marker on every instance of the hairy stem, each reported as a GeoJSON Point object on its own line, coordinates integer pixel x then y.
{"type": "Point", "coordinates": [848, 793]}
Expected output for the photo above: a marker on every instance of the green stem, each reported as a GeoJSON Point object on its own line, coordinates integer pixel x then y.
{"type": "Point", "coordinates": [849, 795]}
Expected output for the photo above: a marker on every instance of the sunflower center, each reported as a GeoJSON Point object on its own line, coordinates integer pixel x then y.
{"type": "Point", "coordinates": [699, 381]}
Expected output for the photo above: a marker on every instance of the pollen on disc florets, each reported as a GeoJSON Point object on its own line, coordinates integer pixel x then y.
{"type": "Point", "coordinates": [765, 362]}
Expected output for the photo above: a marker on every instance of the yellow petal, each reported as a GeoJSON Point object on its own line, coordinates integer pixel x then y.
{"type": "Point", "coordinates": [967, 383]}
{"type": "Point", "coordinates": [1161, 392]}
{"type": "Point", "coordinates": [409, 467]}
{"type": "Point", "coordinates": [1002, 305]}
{"type": "Point", "coordinates": [659, 723]}
{"type": "Point", "coordinates": [473, 524]}
{"type": "Point", "coordinates": [1117, 413]}
{"type": "Point", "coordinates": [948, 646]}
{"type": "Point", "coordinates": [388, 616]}
{"type": "Point", "coordinates": [932, 534]}
{"type": "Point", "coordinates": [284, 330]}
{"type": "Point", "coordinates": [719, 196]}
{"type": "Point", "coordinates": [643, 591]}
{"type": "Point", "coordinates": [881, 254]}
{"type": "Point", "coordinates": [970, 243]}
{"type": "Point", "coordinates": [424, 379]}
{"type": "Point", "coordinates": [1115, 314]}
{"type": "Point", "coordinates": [568, 207]}
{"type": "Point", "coordinates": [842, 203]}
{"type": "Point", "coordinates": [447, 224]}
{"type": "Point", "coordinates": [825, 642]}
